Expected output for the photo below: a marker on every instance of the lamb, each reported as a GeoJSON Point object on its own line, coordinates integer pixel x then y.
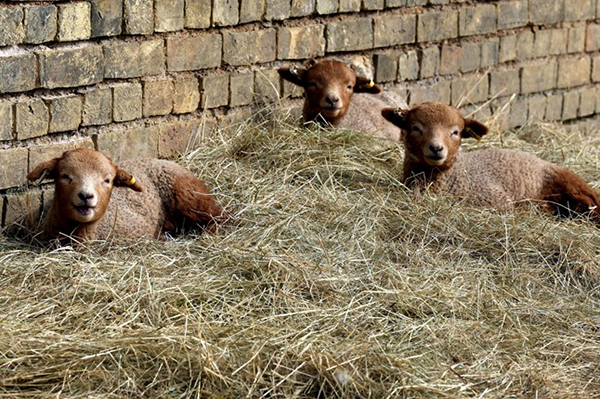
{"type": "Point", "coordinates": [329, 88]}
{"type": "Point", "coordinates": [152, 197]}
{"type": "Point", "coordinates": [496, 178]}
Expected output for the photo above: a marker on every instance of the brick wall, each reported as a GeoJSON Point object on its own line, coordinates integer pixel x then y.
{"type": "Point", "coordinates": [139, 77]}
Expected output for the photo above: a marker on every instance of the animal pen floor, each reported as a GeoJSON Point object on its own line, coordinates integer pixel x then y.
{"type": "Point", "coordinates": [332, 280]}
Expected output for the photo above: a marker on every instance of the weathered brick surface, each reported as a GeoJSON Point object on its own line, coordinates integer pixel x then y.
{"type": "Point", "coordinates": [215, 90]}
{"type": "Point", "coordinates": [74, 21]}
{"type": "Point", "coordinates": [350, 5]}
{"type": "Point", "coordinates": [177, 138]}
{"type": "Point", "coordinates": [573, 72]}
{"type": "Point", "coordinates": [536, 107]}
{"type": "Point", "coordinates": [471, 56]}
{"type": "Point", "coordinates": [545, 11]}
{"type": "Point", "coordinates": [65, 113]}
{"type": "Point", "coordinates": [471, 89]}
{"type": "Point", "coordinates": [13, 167]}
{"type": "Point", "coordinates": [451, 58]}
{"type": "Point", "coordinates": [596, 69]}
{"type": "Point", "coordinates": [251, 10]}
{"type": "Point", "coordinates": [373, 4]}
{"type": "Point", "coordinates": [302, 8]}
{"type": "Point", "coordinates": [138, 16]}
{"type": "Point", "coordinates": [553, 107]}
{"type": "Point", "coordinates": [134, 59]}
{"type": "Point", "coordinates": [158, 98]}
{"type": "Point", "coordinates": [536, 78]}
{"type": "Point", "coordinates": [43, 153]}
{"type": "Point", "coordinates": [71, 67]}
{"type": "Point", "coordinates": [525, 45]}
{"type": "Point", "coordinates": [140, 142]}
{"type": "Point", "coordinates": [186, 95]}
{"type": "Point", "coordinates": [326, 6]}
{"type": "Point", "coordinates": [11, 21]}
{"type": "Point", "coordinates": [242, 89]}
{"type": "Point", "coordinates": [512, 14]}
{"type": "Point", "coordinates": [437, 92]}
{"type": "Point", "coordinates": [570, 105]}
{"type": "Point", "coordinates": [246, 48]}
{"type": "Point", "coordinates": [592, 38]}
{"type": "Point", "coordinates": [266, 85]}
{"type": "Point", "coordinates": [127, 102]}
{"type": "Point", "coordinates": [107, 17]}
{"type": "Point", "coordinates": [194, 52]}
{"type": "Point", "coordinates": [301, 42]}
{"type": "Point", "coordinates": [518, 112]}
{"type": "Point", "coordinates": [386, 67]}
{"type": "Point", "coordinates": [490, 52]}
{"type": "Point", "coordinates": [430, 62]}
{"type": "Point", "coordinates": [97, 107]}
{"type": "Point", "coordinates": [504, 83]}
{"type": "Point", "coordinates": [587, 104]}
{"type": "Point", "coordinates": [225, 12]}
{"type": "Point", "coordinates": [408, 66]}
{"type": "Point", "coordinates": [394, 29]}
{"type": "Point", "coordinates": [198, 13]}
{"type": "Point", "coordinates": [32, 119]}
{"type": "Point", "coordinates": [508, 48]}
{"type": "Point", "coordinates": [577, 10]}
{"type": "Point", "coordinates": [576, 39]}
{"type": "Point", "coordinates": [437, 25]}
{"type": "Point", "coordinates": [19, 72]}
{"type": "Point", "coordinates": [348, 35]}
{"type": "Point", "coordinates": [277, 9]}
{"type": "Point", "coordinates": [41, 24]}
{"type": "Point", "coordinates": [558, 41]}
{"type": "Point", "coordinates": [22, 205]}
{"type": "Point", "coordinates": [169, 15]}
{"type": "Point", "coordinates": [6, 116]}
{"type": "Point", "coordinates": [477, 20]}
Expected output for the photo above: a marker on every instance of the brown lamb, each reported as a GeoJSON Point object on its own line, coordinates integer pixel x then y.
{"type": "Point", "coordinates": [335, 96]}
{"type": "Point", "coordinates": [152, 197]}
{"type": "Point", "coordinates": [498, 178]}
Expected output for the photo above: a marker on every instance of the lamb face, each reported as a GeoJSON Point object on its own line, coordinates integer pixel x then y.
{"type": "Point", "coordinates": [329, 86]}
{"type": "Point", "coordinates": [432, 133]}
{"type": "Point", "coordinates": [84, 180]}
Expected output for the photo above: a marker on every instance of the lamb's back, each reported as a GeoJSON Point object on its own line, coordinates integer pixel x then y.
{"type": "Point", "coordinates": [497, 177]}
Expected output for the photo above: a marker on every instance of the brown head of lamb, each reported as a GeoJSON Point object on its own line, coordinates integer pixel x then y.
{"type": "Point", "coordinates": [329, 86]}
{"type": "Point", "coordinates": [432, 135]}
{"type": "Point", "coordinates": [156, 198]}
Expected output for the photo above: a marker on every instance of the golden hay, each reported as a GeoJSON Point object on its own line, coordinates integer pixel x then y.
{"type": "Point", "coordinates": [333, 280]}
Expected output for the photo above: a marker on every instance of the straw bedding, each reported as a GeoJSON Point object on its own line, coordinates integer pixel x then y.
{"type": "Point", "coordinates": [332, 280]}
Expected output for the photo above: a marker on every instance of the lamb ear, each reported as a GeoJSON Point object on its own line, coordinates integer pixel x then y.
{"type": "Point", "coordinates": [397, 116]}
{"type": "Point", "coordinates": [46, 170]}
{"type": "Point", "coordinates": [364, 85]}
{"type": "Point", "coordinates": [126, 179]}
{"type": "Point", "coordinates": [474, 129]}
{"type": "Point", "coordinates": [293, 74]}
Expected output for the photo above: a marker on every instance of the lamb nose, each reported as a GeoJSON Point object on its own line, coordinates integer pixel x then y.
{"type": "Point", "coordinates": [436, 148]}
{"type": "Point", "coordinates": [85, 196]}
{"type": "Point", "coordinates": [332, 100]}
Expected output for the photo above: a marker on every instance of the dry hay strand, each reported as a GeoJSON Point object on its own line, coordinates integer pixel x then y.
{"type": "Point", "coordinates": [332, 280]}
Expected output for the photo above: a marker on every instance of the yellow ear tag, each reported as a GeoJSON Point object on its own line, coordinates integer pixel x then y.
{"type": "Point", "coordinates": [131, 181]}
{"type": "Point", "coordinates": [370, 84]}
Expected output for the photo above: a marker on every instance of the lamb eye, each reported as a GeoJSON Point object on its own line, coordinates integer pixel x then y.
{"type": "Point", "coordinates": [65, 177]}
{"type": "Point", "coordinates": [416, 130]}
{"type": "Point", "coordinates": [349, 87]}
{"type": "Point", "coordinates": [455, 133]}
{"type": "Point", "coordinates": [107, 181]}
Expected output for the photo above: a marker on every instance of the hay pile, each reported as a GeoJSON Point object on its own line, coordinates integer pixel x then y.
{"type": "Point", "coordinates": [333, 281]}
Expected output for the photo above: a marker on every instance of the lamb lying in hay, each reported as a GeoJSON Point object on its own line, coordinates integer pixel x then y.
{"type": "Point", "coordinates": [152, 197]}
{"type": "Point", "coordinates": [329, 97]}
{"type": "Point", "coordinates": [498, 178]}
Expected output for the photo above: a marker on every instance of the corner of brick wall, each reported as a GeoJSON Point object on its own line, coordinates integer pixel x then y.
{"type": "Point", "coordinates": [143, 77]}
